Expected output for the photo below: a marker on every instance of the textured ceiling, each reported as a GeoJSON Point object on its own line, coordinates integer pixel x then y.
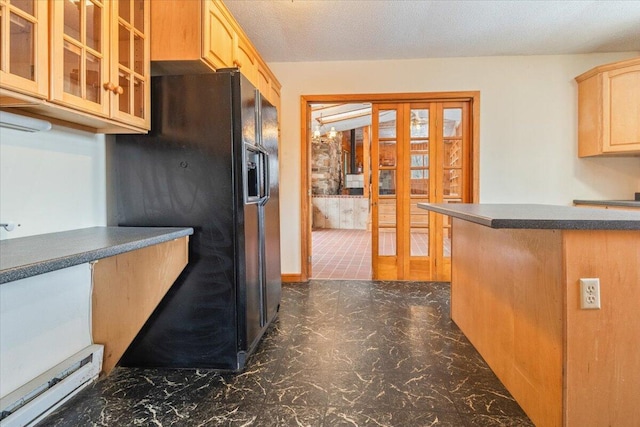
{"type": "Point", "coordinates": [325, 30]}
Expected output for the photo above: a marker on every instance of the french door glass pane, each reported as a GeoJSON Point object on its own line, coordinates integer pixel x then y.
{"type": "Point", "coordinates": [452, 153]}
{"type": "Point", "coordinates": [452, 183]}
{"type": "Point", "coordinates": [124, 46]}
{"type": "Point", "coordinates": [452, 123]}
{"type": "Point", "coordinates": [419, 242]}
{"type": "Point", "coordinates": [387, 223]}
{"type": "Point", "coordinates": [94, 89]}
{"type": "Point", "coordinates": [446, 231]}
{"type": "Point", "coordinates": [420, 182]}
{"type": "Point", "coordinates": [446, 241]}
{"type": "Point", "coordinates": [419, 228]}
{"type": "Point", "coordinates": [24, 5]}
{"type": "Point", "coordinates": [387, 182]}
{"type": "Point", "coordinates": [72, 69]}
{"type": "Point", "coordinates": [419, 123]}
{"type": "Point", "coordinates": [22, 58]}
{"type": "Point", "coordinates": [419, 176]}
{"type": "Point", "coordinates": [72, 19]}
{"type": "Point", "coordinates": [387, 124]}
{"type": "Point", "coordinates": [387, 153]}
{"type": "Point", "coordinates": [419, 160]}
{"type": "Point", "coordinates": [94, 26]}
{"type": "Point", "coordinates": [386, 241]}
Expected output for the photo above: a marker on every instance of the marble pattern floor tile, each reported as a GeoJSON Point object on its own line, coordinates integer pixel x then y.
{"type": "Point", "coordinates": [340, 353]}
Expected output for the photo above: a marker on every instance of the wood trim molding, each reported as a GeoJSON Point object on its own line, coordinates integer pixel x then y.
{"type": "Point", "coordinates": [305, 188]}
{"type": "Point", "coordinates": [608, 67]}
{"type": "Point", "coordinates": [475, 147]}
{"type": "Point", "coordinates": [292, 278]}
{"type": "Point", "coordinates": [394, 97]}
{"type": "Point", "coordinates": [305, 149]}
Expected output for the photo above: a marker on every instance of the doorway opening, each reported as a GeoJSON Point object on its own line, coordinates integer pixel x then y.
{"type": "Point", "coordinates": [336, 123]}
{"type": "Point", "coordinates": [340, 191]}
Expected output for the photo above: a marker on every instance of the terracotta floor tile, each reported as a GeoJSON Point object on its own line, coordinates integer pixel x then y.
{"type": "Point", "coordinates": [341, 254]}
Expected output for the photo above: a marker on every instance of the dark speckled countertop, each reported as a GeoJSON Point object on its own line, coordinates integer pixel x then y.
{"type": "Point", "coordinates": [538, 216]}
{"type": "Point", "coordinates": [28, 256]}
{"type": "Point", "coordinates": [620, 203]}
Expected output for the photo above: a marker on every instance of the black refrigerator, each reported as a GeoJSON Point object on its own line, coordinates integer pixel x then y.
{"type": "Point", "coordinates": [209, 162]}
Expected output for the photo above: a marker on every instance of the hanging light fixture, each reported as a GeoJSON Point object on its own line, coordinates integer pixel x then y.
{"type": "Point", "coordinates": [332, 132]}
{"type": "Point", "coordinates": [415, 121]}
{"type": "Point", "coordinates": [316, 132]}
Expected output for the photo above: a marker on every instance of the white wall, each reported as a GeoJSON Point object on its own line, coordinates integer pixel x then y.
{"type": "Point", "coordinates": [44, 320]}
{"type": "Point", "coordinates": [528, 126]}
{"type": "Point", "coordinates": [51, 181]}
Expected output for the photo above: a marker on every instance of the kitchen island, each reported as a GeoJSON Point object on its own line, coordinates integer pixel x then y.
{"type": "Point", "coordinates": [515, 293]}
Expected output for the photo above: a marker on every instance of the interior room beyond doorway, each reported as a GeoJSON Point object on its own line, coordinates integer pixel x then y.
{"type": "Point", "coordinates": [340, 188]}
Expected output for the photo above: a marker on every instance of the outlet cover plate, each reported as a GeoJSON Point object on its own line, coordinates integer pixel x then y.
{"type": "Point", "coordinates": [590, 294]}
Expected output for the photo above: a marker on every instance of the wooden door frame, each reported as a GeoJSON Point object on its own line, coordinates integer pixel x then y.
{"type": "Point", "coordinates": [305, 149]}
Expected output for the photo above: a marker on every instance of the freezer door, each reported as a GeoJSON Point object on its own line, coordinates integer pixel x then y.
{"type": "Point", "coordinates": [268, 139]}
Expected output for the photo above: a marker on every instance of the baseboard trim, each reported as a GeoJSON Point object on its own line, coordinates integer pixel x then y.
{"type": "Point", "coordinates": [289, 278]}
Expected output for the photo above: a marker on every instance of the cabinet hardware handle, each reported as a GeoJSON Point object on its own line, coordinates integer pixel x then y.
{"type": "Point", "coordinates": [118, 90]}
{"type": "Point", "coordinates": [237, 63]}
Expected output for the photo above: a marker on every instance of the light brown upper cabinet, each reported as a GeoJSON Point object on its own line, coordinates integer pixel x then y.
{"type": "Point", "coordinates": [24, 52]}
{"type": "Point", "coordinates": [84, 62]}
{"type": "Point", "coordinates": [609, 110]}
{"type": "Point", "coordinates": [201, 36]}
{"type": "Point", "coordinates": [100, 58]}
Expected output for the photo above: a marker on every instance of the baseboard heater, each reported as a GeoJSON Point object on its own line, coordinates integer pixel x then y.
{"type": "Point", "coordinates": [30, 403]}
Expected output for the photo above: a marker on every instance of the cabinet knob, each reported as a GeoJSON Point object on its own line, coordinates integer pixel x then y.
{"type": "Point", "coordinates": [118, 90]}
{"type": "Point", "coordinates": [237, 63]}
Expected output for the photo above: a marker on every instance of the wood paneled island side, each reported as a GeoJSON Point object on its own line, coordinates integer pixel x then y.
{"type": "Point", "coordinates": [515, 293]}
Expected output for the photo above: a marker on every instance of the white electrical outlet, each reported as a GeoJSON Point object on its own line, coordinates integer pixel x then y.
{"type": "Point", "coordinates": [590, 294]}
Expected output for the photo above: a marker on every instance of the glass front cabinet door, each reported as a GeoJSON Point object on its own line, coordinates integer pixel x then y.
{"type": "Point", "coordinates": [130, 61]}
{"type": "Point", "coordinates": [24, 51]}
{"type": "Point", "coordinates": [100, 58]}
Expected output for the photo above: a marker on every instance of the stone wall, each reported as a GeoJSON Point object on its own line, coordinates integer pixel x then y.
{"type": "Point", "coordinates": [326, 165]}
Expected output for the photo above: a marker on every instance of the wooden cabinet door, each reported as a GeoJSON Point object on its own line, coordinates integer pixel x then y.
{"type": "Point", "coordinates": [24, 51]}
{"type": "Point", "coordinates": [263, 82]}
{"type": "Point", "coordinates": [621, 109]}
{"type": "Point", "coordinates": [80, 55]}
{"type": "Point", "coordinates": [245, 60]}
{"type": "Point", "coordinates": [274, 96]}
{"type": "Point", "coordinates": [218, 36]}
{"type": "Point", "coordinates": [130, 62]}
{"type": "Point", "coordinates": [608, 109]}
